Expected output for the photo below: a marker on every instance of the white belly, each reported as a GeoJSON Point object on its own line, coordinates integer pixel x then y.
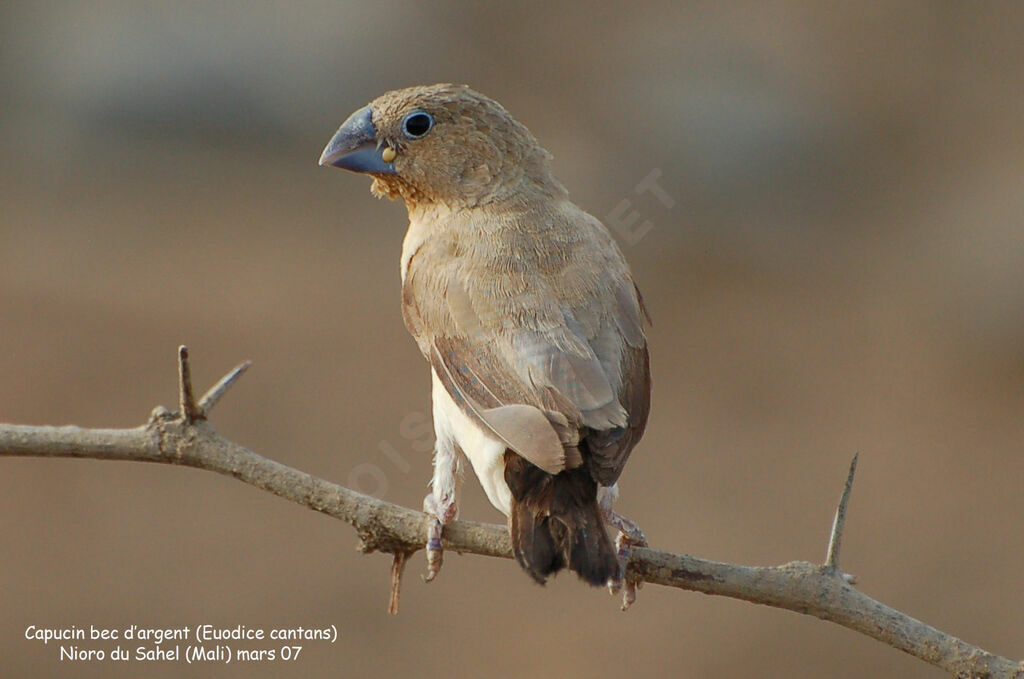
{"type": "Point", "coordinates": [484, 450]}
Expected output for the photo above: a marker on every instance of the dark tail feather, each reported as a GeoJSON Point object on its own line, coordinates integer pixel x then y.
{"type": "Point", "coordinates": [555, 522]}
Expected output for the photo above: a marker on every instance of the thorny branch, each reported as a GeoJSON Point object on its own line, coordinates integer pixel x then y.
{"type": "Point", "coordinates": [186, 438]}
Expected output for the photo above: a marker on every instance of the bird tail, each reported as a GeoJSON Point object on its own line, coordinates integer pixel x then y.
{"type": "Point", "coordinates": [555, 522]}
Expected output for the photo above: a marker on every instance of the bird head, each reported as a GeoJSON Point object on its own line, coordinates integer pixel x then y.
{"type": "Point", "coordinates": [442, 144]}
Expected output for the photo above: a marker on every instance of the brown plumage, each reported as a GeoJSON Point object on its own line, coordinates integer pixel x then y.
{"type": "Point", "coordinates": [526, 311]}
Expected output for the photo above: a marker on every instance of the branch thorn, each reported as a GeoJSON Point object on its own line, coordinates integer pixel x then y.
{"type": "Point", "coordinates": [186, 400]}
{"type": "Point", "coordinates": [214, 394]}
{"type": "Point", "coordinates": [835, 540]}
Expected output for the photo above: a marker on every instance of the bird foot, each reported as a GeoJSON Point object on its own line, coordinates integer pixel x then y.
{"type": "Point", "coordinates": [440, 512]}
{"type": "Point", "coordinates": [435, 553]}
{"type": "Point", "coordinates": [629, 536]}
{"type": "Point", "coordinates": [627, 585]}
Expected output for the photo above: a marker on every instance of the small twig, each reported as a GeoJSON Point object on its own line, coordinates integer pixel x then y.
{"type": "Point", "coordinates": [835, 540]}
{"type": "Point", "coordinates": [215, 392]}
{"type": "Point", "coordinates": [397, 569]}
{"type": "Point", "coordinates": [186, 400]}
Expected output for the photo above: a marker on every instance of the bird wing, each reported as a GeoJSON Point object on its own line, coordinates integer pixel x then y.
{"type": "Point", "coordinates": [610, 448]}
{"type": "Point", "coordinates": [545, 372]}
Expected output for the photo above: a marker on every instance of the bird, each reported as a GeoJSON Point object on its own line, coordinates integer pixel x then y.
{"type": "Point", "coordinates": [525, 309]}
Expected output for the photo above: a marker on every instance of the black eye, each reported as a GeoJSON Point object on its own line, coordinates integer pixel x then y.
{"type": "Point", "coordinates": [417, 124]}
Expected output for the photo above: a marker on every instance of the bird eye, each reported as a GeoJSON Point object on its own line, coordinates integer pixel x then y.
{"type": "Point", "coordinates": [417, 124]}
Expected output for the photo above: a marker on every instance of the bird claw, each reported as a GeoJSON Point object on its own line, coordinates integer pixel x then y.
{"type": "Point", "coordinates": [627, 588]}
{"type": "Point", "coordinates": [435, 557]}
{"type": "Point", "coordinates": [628, 595]}
{"type": "Point", "coordinates": [441, 513]}
{"type": "Point", "coordinates": [629, 536]}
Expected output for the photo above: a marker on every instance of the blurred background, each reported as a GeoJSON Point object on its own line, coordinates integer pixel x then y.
{"type": "Point", "coordinates": [834, 263]}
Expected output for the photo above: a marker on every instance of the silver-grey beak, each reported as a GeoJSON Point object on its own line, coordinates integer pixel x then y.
{"type": "Point", "coordinates": [355, 146]}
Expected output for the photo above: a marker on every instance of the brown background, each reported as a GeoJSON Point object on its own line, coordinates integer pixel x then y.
{"type": "Point", "coordinates": [842, 270]}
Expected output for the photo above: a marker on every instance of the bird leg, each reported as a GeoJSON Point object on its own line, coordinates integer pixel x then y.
{"type": "Point", "coordinates": [629, 536]}
{"type": "Point", "coordinates": [441, 504]}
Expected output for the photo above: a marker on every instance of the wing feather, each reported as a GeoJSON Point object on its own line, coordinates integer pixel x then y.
{"type": "Point", "coordinates": [524, 428]}
{"type": "Point", "coordinates": [552, 362]}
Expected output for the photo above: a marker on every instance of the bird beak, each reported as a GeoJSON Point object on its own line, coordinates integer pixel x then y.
{"type": "Point", "coordinates": [355, 146]}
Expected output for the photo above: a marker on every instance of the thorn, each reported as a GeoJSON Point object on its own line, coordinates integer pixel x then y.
{"type": "Point", "coordinates": [186, 400]}
{"type": "Point", "coordinates": [397, 569]}
{"type": "Point", "coordinates": [214, 394]}
{"type": "Point", "coordinates": [836, 539]}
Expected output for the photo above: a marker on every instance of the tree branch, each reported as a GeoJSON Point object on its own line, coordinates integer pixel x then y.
{"type": "Point", "coordinates": [813, 589]}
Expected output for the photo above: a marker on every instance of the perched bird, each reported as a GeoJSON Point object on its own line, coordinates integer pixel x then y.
{"type": "Point", "coordinates": [526, 310]}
